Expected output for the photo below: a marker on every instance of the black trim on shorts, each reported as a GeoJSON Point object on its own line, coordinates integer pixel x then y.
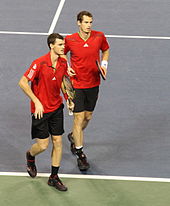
{"type": "Point", "coordinates": [52, 123]}
{"type": "Point", "coordinates": [85, 99]}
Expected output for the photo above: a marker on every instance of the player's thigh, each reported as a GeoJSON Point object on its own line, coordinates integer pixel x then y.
{"type": "Point", "coordinates": [91, 98]}
{"type": "Point", "coordinates": [39, 127]}
{"type": "Point", "coordinates": [79, 104]}
{"type": "Point", "coordinates": [56, 122]}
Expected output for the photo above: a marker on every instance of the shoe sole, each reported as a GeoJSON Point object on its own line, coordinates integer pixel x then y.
{"type": "Point", "coordinates": [83, 168]}
{"type": "Point", "coordinates": [30, 174]}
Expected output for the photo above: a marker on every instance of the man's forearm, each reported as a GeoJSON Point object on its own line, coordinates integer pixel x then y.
{"type": "Point", "coordinates": [23, 83]}
{"type": "Point", "coordinates": [105, 55]}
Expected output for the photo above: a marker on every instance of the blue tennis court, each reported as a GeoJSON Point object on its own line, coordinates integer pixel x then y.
{"type": "Point", "coordinates": [129, 134]}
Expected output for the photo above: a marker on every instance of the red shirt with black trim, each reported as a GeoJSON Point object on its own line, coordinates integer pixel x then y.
{"type": "Point", "coordinates": [83, 56]}
{"type": "Point", "coordinates": [46, 81]}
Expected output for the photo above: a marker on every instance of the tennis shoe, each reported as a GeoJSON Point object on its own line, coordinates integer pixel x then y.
{"type": "Point", "coordinates": [72, 145]}
{"type": "Point", "coordinates": [31, 167]}
{"type": "Point", "coordinates": [82, 162]}
{"type": "Point", "coordinates": [57, 183]}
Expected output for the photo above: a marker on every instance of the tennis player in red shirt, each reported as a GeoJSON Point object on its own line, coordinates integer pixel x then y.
{"type": "Point", "coordinates": [46, 74]}
{"type": "Point", "coordinates": [84, 47]}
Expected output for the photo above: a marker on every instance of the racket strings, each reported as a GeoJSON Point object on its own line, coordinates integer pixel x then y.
{"type": "Point", "coordinates": [69, 88]}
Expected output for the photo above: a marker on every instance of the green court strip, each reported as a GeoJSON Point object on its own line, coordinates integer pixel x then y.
{"type": "Point", "coordinates": [25, 191]}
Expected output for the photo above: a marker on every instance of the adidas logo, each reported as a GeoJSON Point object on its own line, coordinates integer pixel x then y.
{"type": "Point", "coordinates": [86, 45]}
{"type": "Point", "coordinates": [53, 78]}
{"type": "Point", "coordinates": [35, 66]}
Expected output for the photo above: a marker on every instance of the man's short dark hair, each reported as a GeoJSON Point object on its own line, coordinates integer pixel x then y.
{"type": "Point", "coordinates": [83, 13]}
{"type": "Point", "coordinates": [52, 37]}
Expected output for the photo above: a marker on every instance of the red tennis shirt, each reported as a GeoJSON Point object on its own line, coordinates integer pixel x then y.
{"type": "Point", "coordinates": [83, 56]}
{"type": "Point", "coordinates": [46, 81]}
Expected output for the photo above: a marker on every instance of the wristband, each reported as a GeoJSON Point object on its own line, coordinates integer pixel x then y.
{"type": "Point", "coordinates": [104, 63]}
{"type": "Point", "coordinates": [65, 96]}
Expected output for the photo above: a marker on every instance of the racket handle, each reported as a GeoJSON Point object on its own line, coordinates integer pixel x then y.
{"type": "Point", "coordinates": [70, 112]}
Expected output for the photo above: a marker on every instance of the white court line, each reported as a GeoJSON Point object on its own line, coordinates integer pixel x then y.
{"type": "Point", "coordinates": [53, 24]}
{"type": "Point", "coordinates": [107, 35]}
{"type": "Point", "coordinates": [138, 37]}
{"type": "Point", "coordinates": [23, 33]}
{"type": "Point", "coordinates": [57, 14]}
{"type": "Point", "coordinates": [101, 177]}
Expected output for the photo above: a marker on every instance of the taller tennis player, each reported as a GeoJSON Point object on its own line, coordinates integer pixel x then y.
{"type": "Point", "coordinates": [84, 47]}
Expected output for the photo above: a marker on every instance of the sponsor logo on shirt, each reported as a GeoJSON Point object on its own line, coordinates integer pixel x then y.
{"type": "Point", "coordinates": [53, 78]}
{"type": "Point", "coordinates": [35, 66]}
{"type": "Point", "coordinates": [86, 45]}
{"type": "Point", "coordinates": [30, 74]}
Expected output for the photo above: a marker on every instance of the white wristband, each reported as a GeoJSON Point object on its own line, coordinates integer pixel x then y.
{"type": "Point", "coordinates": [104, 63]}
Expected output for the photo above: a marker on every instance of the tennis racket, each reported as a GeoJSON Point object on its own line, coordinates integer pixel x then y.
{"type": "Point", "coordinates": [69, 90]}
{"type": "Point", "coordinates": [101, 71]}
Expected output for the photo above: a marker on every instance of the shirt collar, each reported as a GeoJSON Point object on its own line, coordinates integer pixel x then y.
{"type": "Point", "coordinates": [48, 59]}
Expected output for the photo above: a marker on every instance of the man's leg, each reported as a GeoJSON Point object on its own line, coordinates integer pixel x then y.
{"type": "Point", "coordinates": [55, 161]}
{"type": "Point", "coordinates": [39, 131]}
{"type": "Point", "coordinates": [85, 101]}
{"type": "Point", "coordinates": [40, 146]}
{"type": "Point", "coordinates": [79, 119]}
{"type": "Point", "coordinates": [77, 128]}
{"type": "Point", "coordinates": [56, 153]}
{"type": "Point", "coordinates": [87, 118]}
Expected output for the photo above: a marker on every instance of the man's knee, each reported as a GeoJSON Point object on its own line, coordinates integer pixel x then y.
{"type": "Point", "coordinates": [57, 140]}
{"type": "Point", "coordinates": [79, 118]}
{"type": "Point", "coordinates": [88, 116]}
{"type": "Point", "coordinates": [43, 144]}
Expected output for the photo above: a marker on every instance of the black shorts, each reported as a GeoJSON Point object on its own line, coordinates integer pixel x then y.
{"type": "Point", "coordinates": [51, 124]}
{"type": "Point", "coordinates": [86, 99]}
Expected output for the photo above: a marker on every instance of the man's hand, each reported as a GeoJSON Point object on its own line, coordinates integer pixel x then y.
{"type": "Point", "coordinates": [70, 105]}
{"type": "Point", "coordinates": [71, 72]}
{"type": "Point", "coordinates": [38, 110]}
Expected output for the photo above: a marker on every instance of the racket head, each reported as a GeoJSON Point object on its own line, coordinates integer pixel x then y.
{"type": "Point", "coordinates": [100, 70]}
{"type": "Point", "coordinates": [68, 87]}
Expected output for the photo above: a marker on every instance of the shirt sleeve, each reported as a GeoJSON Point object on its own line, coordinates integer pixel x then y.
{"type": "Point", "coordinates": [104, 45]}
{"type": "Point", "coordinates": [32, 71]}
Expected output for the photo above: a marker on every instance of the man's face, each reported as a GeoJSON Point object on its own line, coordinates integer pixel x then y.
{"type": "Point", "coordinates": [58, 46]}
{"type": "Point", "coordinates": [86, 24]}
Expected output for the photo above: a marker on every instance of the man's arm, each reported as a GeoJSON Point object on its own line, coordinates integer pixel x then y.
{"type": "Point", "coordinates": [105, 55]}
{"type": "Point", "coordinates": [24, 84]}
{"type": "Point", "coordinates": [105, 58]}
{"type": "Point", "coordinates": [70, 71]}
